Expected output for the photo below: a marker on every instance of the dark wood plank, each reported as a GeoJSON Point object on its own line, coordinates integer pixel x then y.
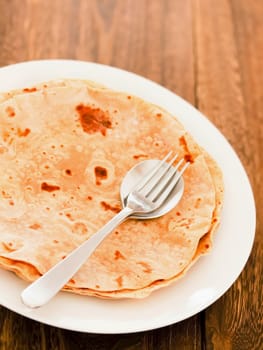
{"type": "Point", "coordinates": [229, 51]}
{"type": "Point", "coordinates": [153, 39]}
{"type": "Point", "coordinates": [20, 333]}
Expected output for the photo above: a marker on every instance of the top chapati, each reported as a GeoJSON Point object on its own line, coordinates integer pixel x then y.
{"type": "Point", "coordinates": [65, 147]}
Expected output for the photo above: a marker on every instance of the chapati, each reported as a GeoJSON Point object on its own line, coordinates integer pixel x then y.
{"type": "Point", "coordinates": [65, 147]}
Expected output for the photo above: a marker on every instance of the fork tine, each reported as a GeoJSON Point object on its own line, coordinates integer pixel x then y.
{"type": "Point", "coordinates": [171, 185]}
{"type": "Point", "coordinates": [163, 182]}
{"type": "Point", "coordinates": [153, 183]}
{"type": "Point", "coordinates": [151, 173]}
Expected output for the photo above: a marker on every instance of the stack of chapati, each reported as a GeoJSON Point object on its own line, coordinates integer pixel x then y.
{"type": "Point", "coordinates": [65, 147]}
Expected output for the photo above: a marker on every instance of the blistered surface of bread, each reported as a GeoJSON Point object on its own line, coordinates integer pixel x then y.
{"type": "Point", "coordinates": [64, 148]}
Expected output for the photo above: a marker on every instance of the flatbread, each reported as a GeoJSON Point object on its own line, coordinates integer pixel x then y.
{"type": "Point", "coordinates": [65, 146]}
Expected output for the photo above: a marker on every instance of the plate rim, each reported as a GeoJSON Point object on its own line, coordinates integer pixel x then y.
{"type": "Point", "coordinates": [205, 120]}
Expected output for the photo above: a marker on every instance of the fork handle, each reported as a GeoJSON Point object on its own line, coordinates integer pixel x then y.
{"type": "Point", "coordinates": [47, 286]}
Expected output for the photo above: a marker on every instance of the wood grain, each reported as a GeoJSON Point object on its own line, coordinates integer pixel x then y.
{"type": "Point", "coordinates": [210, 53]}
{"type": "Point", "coordinates": [229, 90]}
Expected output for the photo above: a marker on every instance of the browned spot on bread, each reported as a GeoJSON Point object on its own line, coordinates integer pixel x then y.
{"type": "Point", "coordinates": [107, 206]}
{"type": "Point", "coordinates": [188, 156]}
{"type": "Point", "coordinates": [93, 119]}
{"type": "Point", "coordinates": [68, 172]}
{"type": "Point", "coordinates": [119, 281]}
{"type": "Point", "coordinates": [35, 226]}
{"type": "Point", "coordinates": [198, 202]}
{"type": "Point", "coordinates": [5, 135]}
{"type": "Point", "coordinates": [101, 174]}
{"type": "Point", "coordinates": [182, 142]}
{"type": "Point", "coordinates": [97, 286]}
{"type": "Point", "coordinates": [69, 216]}
{"type": "Point", "coordinates": [118, 255]}
{"type": "Point", "coordinates": [79, 228]}
{"type": "Point", "coordinates": [10, 111]}
{"type": "Point", "coordinates": [23, 133]}
{"type": "Point", "coordinates": [33, 89]}
{"type": "Point", "coordinates": [89, 198]}
{"type": "Point", "coordinates": [137, 156]}
{"type": "Point", "coordinates": [49, 188]}
{"type": "Point", "coordinates": [8, 246]}
{"type": "Point", "coordinates": [6, 195]}
{"type": "Point", "coordinates": [147, 267]}
{"type": "Point", "coordinates": [159, 115]}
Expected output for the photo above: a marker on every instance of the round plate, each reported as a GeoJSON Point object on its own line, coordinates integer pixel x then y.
{"type": "Point", "coordinates": [207, 280]}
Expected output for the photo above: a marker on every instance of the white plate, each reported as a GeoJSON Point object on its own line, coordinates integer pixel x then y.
{"type": "Point", "coordinates": [207, 280]}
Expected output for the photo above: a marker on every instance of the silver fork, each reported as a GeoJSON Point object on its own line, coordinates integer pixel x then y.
{"type": "Point", "coordinates": [148, 195]}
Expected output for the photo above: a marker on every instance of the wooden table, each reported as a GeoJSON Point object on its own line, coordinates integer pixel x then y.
{"type": "Point", "coordinates": [210, 53]}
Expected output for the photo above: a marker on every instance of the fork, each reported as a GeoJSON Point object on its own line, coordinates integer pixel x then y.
{"type": "Point", "coordinates": [148, 195]}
